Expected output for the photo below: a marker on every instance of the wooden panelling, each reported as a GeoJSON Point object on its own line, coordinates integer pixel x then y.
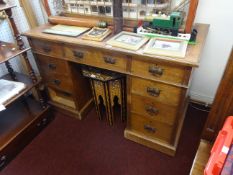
{"type": "Point", "coordinates": [162, 72]}
{"type": "Point", "coordinates": [154, 110]}
{"type": "Point", "coordinates": [150, 128]}
{"type": "Point", "coordinates": [159, 92]}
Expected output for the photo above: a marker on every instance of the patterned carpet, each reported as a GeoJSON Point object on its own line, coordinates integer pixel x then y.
{"type": "Point", "coordinates": [91, 147]}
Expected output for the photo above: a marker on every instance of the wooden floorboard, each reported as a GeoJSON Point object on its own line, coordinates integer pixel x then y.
{"type": "Point", "coordinates": [201, 158]}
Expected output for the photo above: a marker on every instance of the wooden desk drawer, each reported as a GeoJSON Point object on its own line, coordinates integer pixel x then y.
{"type": "Point", "coordinates": [62, 98]}
{"type": "Point", "coordinates": [77, 54]}
{"type": "Point", "coordinates": [96, 58]}
{"type": "Point", "coordinates": [160, 92]}
{"type": "Point", "coordinates": [110, 61]}
{"type": "Point", "coordinates": [47, 48]}
{"type": "Point", "coordinates": [50, 65]}
{"type": "Point", "coordinates": [153, 110]}
{"type": "Point", "coordinates": [151, 128]}
{"type": "Point", "coordinates": [172, 74]}
{"type": "Point", "coordinates": [60, 82]}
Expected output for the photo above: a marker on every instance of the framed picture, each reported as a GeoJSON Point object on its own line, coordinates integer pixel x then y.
{"type": "Point", "coordinates": [127, 40]}
{"type": "Point", "coordinates": [166, 47]}
{"type": "Point", "coordinates": [97, 34]}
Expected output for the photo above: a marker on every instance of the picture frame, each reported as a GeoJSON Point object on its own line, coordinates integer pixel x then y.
{"type": "Point", "coordinates": [97, 34]}
{"type": "Point", "coordinates": [128, 40]}
{"type": "Point", "coordinates": [166, 47]}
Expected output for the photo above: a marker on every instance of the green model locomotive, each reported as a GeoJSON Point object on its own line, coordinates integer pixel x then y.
{"type": "Point", "coordinates": [164, 24]}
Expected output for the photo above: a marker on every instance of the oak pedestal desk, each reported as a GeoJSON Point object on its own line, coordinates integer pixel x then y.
{"type": "Point", "coordinates": [157, 86]}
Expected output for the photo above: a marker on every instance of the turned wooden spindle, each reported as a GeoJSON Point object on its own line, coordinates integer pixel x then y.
{"type": "Point", "coordinates": [21, 46]}
{"type": "Point", "coordinates": [2, 2]}
{"type": "Point", "coordinates": [10, 70]}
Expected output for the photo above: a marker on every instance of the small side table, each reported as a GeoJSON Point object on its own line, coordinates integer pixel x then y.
{"type": "Point", "coordinates": [106, 87]}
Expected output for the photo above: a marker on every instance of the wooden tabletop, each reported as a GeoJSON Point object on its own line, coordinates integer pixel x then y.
{"type": "Point", "coordinates": [192, 57]}
{"type": "Point", "coordinates": [6, 6]}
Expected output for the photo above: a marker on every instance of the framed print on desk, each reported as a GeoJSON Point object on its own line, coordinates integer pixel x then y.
{"type": "Point", "coordinates": [127, 40]}
{"type": "Point", "coordinates": [166, 47]}
{"type": "Point", "coordinates": [97, 34]}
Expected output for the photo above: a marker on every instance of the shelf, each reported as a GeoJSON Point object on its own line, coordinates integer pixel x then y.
{"type": "Point", "coordinates": [6, 6]}
{"type": "Point", "coordinates": [15, 119]}
{"type": "Point", "coordinates": [21, 78]}
{"type": "Point", "coordinates": [9, 50]}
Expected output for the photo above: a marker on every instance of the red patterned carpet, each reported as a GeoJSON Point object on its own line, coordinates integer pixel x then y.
{"type": "Point", "coordinates": [91, 147]}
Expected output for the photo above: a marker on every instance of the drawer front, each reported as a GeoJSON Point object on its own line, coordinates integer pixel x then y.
{"type": "Point", "coordinates": [77, 54]}
{"type": "Point", "coordinates": [50, 65]}
{"type": "Point", "coordinates": [23, 138]}
{"type": "Point", "coordinates": [172, 74]}
{"type": "Point", "coordinates": [151, 128]}
{"type": "Point", "coordinates": [98, 59]}
{"type": "Point", "coordinates": [62, 98]}
{"type": "Point", "coordinates": [47, 48]}
{"type": "Point", "coordinates": [159, 92]}
{"type": "Point", "coordinates": [60, 82]}
{"type": "Point", "coordinates": [154, 110]}
{"type": "Point", "coordinates": [111, 61]}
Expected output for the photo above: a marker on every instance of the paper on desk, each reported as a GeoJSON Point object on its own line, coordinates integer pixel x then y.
{"type": "Point", "coordinates": [66, 30]}
{"type": "Point", "coordinates": [9, 89]}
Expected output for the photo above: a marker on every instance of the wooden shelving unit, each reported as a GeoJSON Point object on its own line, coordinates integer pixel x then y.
{"type": "Point", "coordinates": [23, 117]}
{"type": "Point", "coordinates": [11, 125]}
{"type": "Point", "coordinates": [5, 6]}
{"type": "Point", "coordinates": [21, 78]}
{"type": "Point", "coordinates": [9, 51]}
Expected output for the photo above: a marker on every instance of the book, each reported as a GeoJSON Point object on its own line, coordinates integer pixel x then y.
{"type": "Point", "coordinates": [9, 89]}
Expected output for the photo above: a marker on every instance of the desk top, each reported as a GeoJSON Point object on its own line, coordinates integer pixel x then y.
{"type": "Point", "coordinates": [192, 57]}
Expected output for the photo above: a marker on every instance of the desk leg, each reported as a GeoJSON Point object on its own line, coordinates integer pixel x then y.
{"type": "Point", "coordinates": [96, 99]}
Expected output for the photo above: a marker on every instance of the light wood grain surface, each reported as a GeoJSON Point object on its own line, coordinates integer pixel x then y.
{"type": "Point", "coordinates": [192, 57]}
{"type": "Point", "coordinates": [201, 158]}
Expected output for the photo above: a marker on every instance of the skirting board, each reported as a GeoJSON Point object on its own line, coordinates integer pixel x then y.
{"type": "Point", "coordinates": [201, 98]}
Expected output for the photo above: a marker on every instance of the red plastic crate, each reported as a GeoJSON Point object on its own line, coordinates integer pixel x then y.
{"type": "Point", "coordinates": [220, 149]}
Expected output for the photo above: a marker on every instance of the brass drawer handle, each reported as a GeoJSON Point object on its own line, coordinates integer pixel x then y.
{"type": "Point", "coordinates": [149, 128]}
{"type": "Point", "coordinates": [52, 66]}
{"type": "Point", "coordinates": [109, 60]}
{"type": "Point", "coordinates": [2, 161]}
{"type": "Point", "coordinates": [78, 54]}
{"type": "Point", "coordinates": [156, 71]}
{"type": "Point", "coordinates": [153, 91]}
{"type": "Point", "coordinates": [44, 121]}
{"type": "Point", "coordinates": [57, 82]}
{"type": "Point", "coordinates": [151, 110]}
{"type": "Point", "coordinates": [47, 49]}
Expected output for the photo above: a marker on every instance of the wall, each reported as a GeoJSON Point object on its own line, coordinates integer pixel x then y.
{"type": "Point", "coordinates": [22, 25]}
{"type": "Point", "coordinates": [219, 15]}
